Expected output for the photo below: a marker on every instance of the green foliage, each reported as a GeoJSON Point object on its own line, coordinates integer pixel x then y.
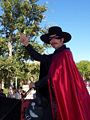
{"type": "Point", "coordinates": [3, 47]}
{"type": "Point", "coordinates": [10, 68]}
{"type": "Point", "coordinates": [33, 71]}
{"type": "Point", "coordinates": [84, 68]}
{"type": "Point", "coordinates": [19, 16]}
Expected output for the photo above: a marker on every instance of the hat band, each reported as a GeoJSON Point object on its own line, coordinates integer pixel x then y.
{"type": "Point", "coordinates": [55, 37]}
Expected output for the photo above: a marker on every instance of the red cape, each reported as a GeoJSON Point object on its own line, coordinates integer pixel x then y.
{"type": "Point", "coordinates": [72, 97]}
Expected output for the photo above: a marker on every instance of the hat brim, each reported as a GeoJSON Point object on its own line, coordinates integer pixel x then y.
{"type": "Point", "coordinates": [65, 35]}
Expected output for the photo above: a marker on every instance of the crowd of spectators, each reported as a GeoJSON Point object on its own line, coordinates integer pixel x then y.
{"type": "Point", "coordinates": [17, 93]}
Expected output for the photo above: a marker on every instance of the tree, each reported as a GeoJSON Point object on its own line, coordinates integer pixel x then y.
{"type": "Point", "coordinates": [84, 68]}
{"type": "Point", "coordinates": [18, 16]}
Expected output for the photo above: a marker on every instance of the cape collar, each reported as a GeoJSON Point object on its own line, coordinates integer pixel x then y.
{"type": "Point", "coordinates": [60, 49]}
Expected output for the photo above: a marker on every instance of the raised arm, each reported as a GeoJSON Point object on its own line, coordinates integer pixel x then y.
{"type": "Point", "coordinates": [33, 53]}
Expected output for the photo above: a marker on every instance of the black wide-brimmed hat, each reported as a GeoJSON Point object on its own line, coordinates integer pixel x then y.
{"type": "Point", "coordinates": [56, 31]}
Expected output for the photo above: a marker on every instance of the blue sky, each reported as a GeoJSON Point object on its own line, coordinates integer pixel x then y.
{"type": "Point", "coordinates": [74, 17]}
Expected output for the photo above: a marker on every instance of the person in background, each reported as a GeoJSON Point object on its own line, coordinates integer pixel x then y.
{"type": "Point", "coordinates": [66, 90]}
{"type": "Point", "coordinates": [1, 93]}
{"type": "Point", "coordinates": [16, 93]}
{"type": "Point", "coordinates": [13, 93]}
{"type": "Point", "coordinates": [10, 92]}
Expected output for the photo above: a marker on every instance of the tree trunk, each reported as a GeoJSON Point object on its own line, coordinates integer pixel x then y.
{"type": "Point", "coordinates": [10, 49]}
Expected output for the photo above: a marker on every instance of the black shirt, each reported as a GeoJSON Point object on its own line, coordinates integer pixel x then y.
{"type": "Point", "coordinates": [45, 62]}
